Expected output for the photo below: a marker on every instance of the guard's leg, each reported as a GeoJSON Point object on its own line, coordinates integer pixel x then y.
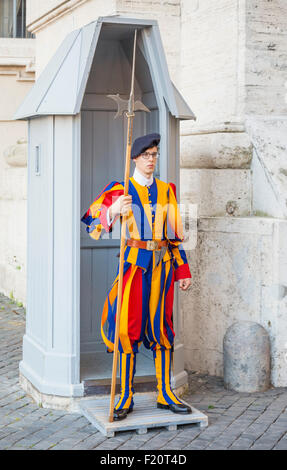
{"type": "Point", "coordinates": [161, 334]}
{"type": "Point", "coordinates": [166, 397]}
{"type": "Point", "coordinates": [160, 331]}
{"type": "Point", "coordinates": [127, 371]}
{"type": "Point", "coordinates": [134, 308]}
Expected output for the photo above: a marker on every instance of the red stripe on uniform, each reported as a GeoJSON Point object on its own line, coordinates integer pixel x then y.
{"type": "Point", "coordinates": [169, 304]}
{"type": "Point", "coordinates": [125, 279]}
{"type": "Point", "coordinates": [135, 307]}
{"type": "Point", "coordinates": [108, 200]}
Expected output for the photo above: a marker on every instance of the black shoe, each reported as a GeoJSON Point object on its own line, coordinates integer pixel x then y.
{"type": "Point", "coordinates": [121, 414]}
{"type": "Point", "coordinates": [176, 407]}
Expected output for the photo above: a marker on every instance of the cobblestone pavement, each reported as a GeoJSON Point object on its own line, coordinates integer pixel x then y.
{"type": "Point", "coordinates": [236, 420]}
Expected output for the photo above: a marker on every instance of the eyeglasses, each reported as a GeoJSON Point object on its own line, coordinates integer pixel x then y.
{"type": "Point", "coordinates": [146, 155]}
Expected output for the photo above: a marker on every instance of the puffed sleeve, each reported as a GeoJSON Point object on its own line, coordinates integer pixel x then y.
{"type": "Point", "coordinates": [175, 236]}
{"type": "Point", "coordinates": [95, 217]}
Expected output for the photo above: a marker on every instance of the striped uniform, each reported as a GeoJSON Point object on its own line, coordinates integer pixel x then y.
{"type": "Point", "coordinates": [148, 287]}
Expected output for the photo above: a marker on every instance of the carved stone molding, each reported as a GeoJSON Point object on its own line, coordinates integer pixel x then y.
{"type": "Point", "coordinates": [54, 14]}
{"type": "Point", "coordinates": [16, 155]}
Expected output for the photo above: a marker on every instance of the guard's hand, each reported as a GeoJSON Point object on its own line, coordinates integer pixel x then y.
{"type": "Point", "coordinates": [123, 205]}
{"type": "Point", "coordinates": [184, 284]}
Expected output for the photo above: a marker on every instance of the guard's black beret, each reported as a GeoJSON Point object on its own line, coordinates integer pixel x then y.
{"type": "Point", "coordinates": [141, 144]}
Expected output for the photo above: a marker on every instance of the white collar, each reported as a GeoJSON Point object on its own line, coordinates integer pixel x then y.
{"type": "Point", "coordinates": [141, 179]}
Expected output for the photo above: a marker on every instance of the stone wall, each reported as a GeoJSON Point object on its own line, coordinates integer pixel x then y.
{"type": "Point", "coordinates": [16, 78]}
{"type": "Point", "coordinates": [212, 79]}
{"type": "Point", "coordinates": [212, 62]}
{"type": "Point", "coordinates": [266, 57]}
{"type": "Point", "coordinates": [239, 272]}
{"type": "Point", "coordinates": [233, 73]}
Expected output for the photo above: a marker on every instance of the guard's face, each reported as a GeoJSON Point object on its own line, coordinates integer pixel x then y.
{"type": "Point", "coordinates": [146, 163]}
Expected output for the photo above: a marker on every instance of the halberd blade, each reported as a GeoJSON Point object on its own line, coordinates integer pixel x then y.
{"type": "Point", "coordinates": [139, 106]}
{"type": "Point", "coordinates": [122, 104]}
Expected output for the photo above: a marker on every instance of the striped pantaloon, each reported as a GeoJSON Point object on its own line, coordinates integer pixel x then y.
{"type": "Point", "coordinates": [146, 316]}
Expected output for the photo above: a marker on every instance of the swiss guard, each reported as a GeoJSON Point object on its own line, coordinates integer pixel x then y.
{"type": "Point", "coordinates": [154, 259]}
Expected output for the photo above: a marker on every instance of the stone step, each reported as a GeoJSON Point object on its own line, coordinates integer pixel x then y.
{"type": "Point", "coordinates": [103, 386]}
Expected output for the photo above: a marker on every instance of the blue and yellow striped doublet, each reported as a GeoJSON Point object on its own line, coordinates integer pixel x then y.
{"type": "Point", "coordinates": [148, 288]}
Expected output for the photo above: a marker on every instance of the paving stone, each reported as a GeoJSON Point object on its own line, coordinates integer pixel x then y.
{"type": "Point", "coordinates": [160, 440]}
{"type": "Point", "coordinates": [91, 441]}
{"type": "Point", "coordinates": [241, 444]}
{"type": "Point", "coordinates": [281, 445]}
{"type": "Point", "coordinates": [268, 442]}
{"type": "Point", "coordinates": [214, 446]}
{"type": "Point", "coordinates": [109, 444]}
{"type": "Point", "coordinates": [236, 420]}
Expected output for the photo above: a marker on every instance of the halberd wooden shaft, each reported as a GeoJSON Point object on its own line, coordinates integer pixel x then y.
{"type": "Point", "coordinates": [121, 263]}
{"type": "Point", "coordinates": [132, 107]}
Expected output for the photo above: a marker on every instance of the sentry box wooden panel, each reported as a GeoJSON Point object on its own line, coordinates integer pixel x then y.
{"type": "Point", "coordinates": [75, 148]}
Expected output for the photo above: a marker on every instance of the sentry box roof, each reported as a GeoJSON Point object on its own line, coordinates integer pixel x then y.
{"type": "Point", "coordinates": [61, 86]}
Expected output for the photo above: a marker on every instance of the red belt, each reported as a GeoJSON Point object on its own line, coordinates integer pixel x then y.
{"type": "Point", "coordinates": [148, 244]}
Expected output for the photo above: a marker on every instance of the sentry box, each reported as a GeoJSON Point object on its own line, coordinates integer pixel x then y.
{"type": "Point", "coordinates": [75, 148]}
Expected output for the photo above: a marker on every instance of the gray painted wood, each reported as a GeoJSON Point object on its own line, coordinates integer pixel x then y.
{"type": "Point", "coordinates": [119, 21]}
{"type": "Point", "coordinates": [183, 109]}
{"type": "Point", "coordinates": [29, 106]}
{"type": "Point", "coordinates": [50, 345]}
{"type": "Point", "coordinates": [111, 70]}
{"type": "Point", "coordinates": [50, 94]}
{"type": "Point", "coordinates": [144, 416]}
{"type": "Point", "coordinates": [89, 42]}
{"type": "Point", "coordinates": [39, 233]}
{"type": "Point", "coordinates": [99, 365]}
{"type": "Point", "coordinates": [103, 147]}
